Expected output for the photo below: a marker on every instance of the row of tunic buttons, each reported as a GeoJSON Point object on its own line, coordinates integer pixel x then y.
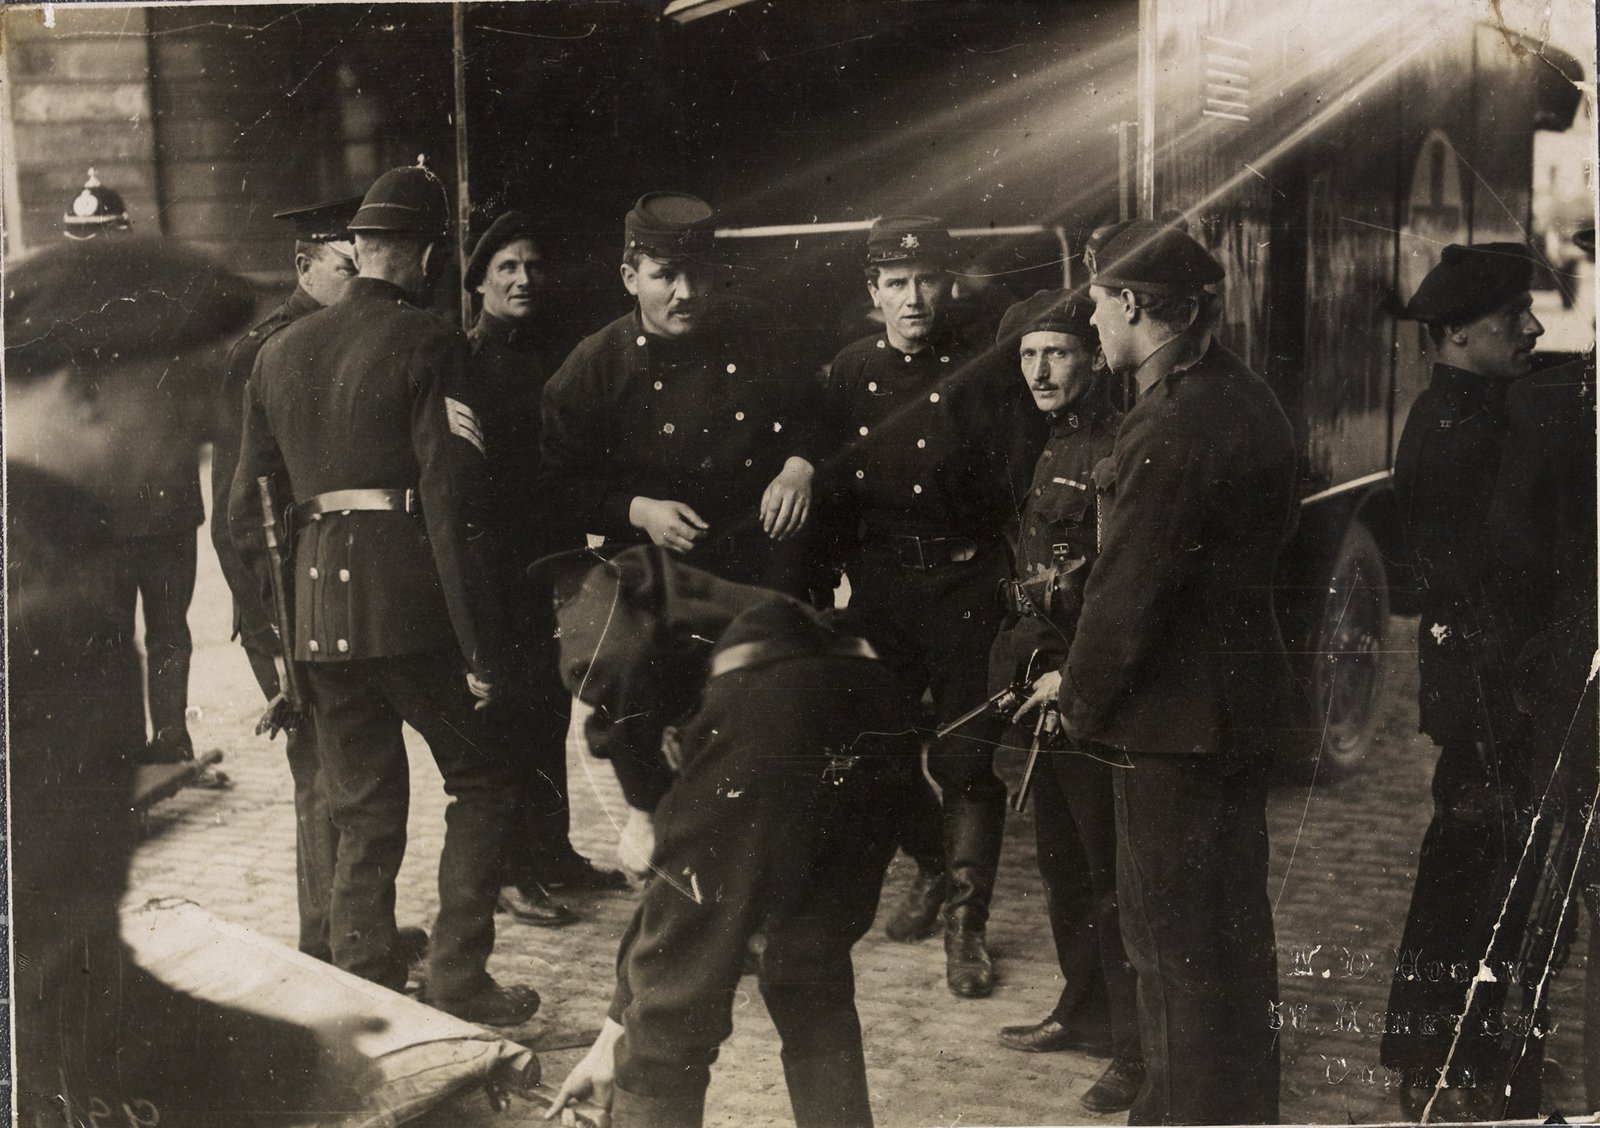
{"type": "Point", "coordinates": [872, 386]}
{"type": "Point", "coordinates": [882, 344]}
{"type": "Point", "coordinates": [914, 488]}
{"type": "Point", "coordinates": [340, 644]}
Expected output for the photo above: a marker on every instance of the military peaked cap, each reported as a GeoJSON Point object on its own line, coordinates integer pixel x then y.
{"type": "Point", "coordinates": [1470, 281]}
{"type": "Point", "coordinates": [1054, 311]}
{"type": "Point", "coordinates": [508, 228]}
{"type": "Point", "coordinates": [93, 210]}
{"type": "Point", "coordinates": [668, 226]}
{"type": "Point", "coordinates": [1157, 256]}
{"type": "Point", "coordinates": [327, 222]}
{"type": "Point", "coordinates": [908, 238]}
{"type": "Point", "coordinates": [409, 201]}
{"type": "Point", "coordinates": [103, 302]}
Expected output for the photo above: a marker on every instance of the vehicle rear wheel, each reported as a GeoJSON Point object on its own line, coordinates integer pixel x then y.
{"type": "Point", "coordinates": [1349, 652]}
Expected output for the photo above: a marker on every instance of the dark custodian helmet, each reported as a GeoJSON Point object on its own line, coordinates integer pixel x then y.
{"type": "Point", "coordinates": [94, 210]}
{"type": "Point", "coordinates": [405, 201]}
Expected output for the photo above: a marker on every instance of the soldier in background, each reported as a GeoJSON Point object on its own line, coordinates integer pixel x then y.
{"type": "Point", "coordinates": [155, 531]}
{"type": "Point", "coordinates": [1478, 309]}
{"type": "Point", "coordinates": [1074, 812]}
{"type": "Point", "coordinates": [508, 377]}
{"type": "Point", "coordinates": [105, 376]}
{"type": "Point", "coordinates": [324, 262]}
{"type": "Point", "coordinates": [684, 422]}
{"type": "Point", "coordinates": [923, 494]}
{"type": "Point", "coordinates": [1178, 673]}
{"type": "Point", "coordinates": [351, 411]}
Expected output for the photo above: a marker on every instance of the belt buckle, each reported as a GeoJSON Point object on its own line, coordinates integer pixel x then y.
{"type": "Point", "coordinates": [410, 501]}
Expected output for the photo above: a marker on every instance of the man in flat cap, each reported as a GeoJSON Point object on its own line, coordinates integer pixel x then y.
{"type": "Point", "coordinates": [923, 495]}
{"type": "Point", "coordinates": [351, 412]}
{"type": "Point", "coordinates": [1074, 815]}
{"type": "Point", "coordinates": [681, 423]}
{"type": "Point", "coordinates": [324, 262]}
{"type": "Point", "coordinates": [508, 376]}
{"type": "Point", "coordinates": [767, 809]}
{"type": "Point", "coordinates": [1178, 674]}
{"type": "Point", "coordinates": [1478, 311]}
{"type": "Point", "coordinates": [106, 373]}
{"type": "Point", "coordinates": [156, 533]}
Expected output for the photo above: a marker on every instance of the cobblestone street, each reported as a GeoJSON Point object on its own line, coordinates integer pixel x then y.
{"type": "Point", "coordinates": [1343, 861]}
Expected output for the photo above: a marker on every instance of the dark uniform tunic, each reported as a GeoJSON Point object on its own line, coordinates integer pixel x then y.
{"type": "Point", "coordinates": [508, 376]}
{"type": "Point", "coordinates": [94, 1031]}
{"type": "Point", "coordinates": [1178, 662]}
{"type": "Point", "coordinates": [708, 420]}
{"type": "Point", "coordinates": [1444, 477]}
{"type": "Point", "coordinates": [316, 837]}
{"type": "Point", "coordinates": [1074, 812]}
{"type": "Point", "coordinates": [771, 821]}
{"type": "Point", "coordinates": [387, 605]}
{"type": "Point", "coordinates": [921, 486]}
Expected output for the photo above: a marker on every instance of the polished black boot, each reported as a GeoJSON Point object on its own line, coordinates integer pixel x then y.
{"type": "Point", "coordinates": [972, 834]}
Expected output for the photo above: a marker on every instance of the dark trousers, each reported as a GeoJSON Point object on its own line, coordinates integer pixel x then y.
{"type": "Point", "coordinates": [933, 629]}
{"type": "Point", "coordinates": [316, 840]}
{"type": "Point", "coordinates": [161, 571]}
{"type": "Point", "coordinates": [529, 727]}
{"type": "Point", "coordinates": [1463, 876]}
{"type": "Point", "coordinates": [359, 707]}
{"type": "Point", "coordinates": [1192, 887]}
{"type": "Point", "coordinates": [773, 824]}
{"type": "Point", "coordinates": [1075, 825]}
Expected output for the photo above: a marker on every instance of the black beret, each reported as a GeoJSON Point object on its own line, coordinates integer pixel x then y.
{"type": "Point", "coordinates": [1150, 255]}
{"type": "Point", "coordinates": [93, 210]}
{"type": "Point", "coordinates": [508, 228]}
{"type": "Point", "coordinates": [908, 238]}
{"type": "Point", "coordinates": [669, 226]}
{"type": "Point", "coordinates": [327, 222]}
{"type": "Point", "coordinates": [1470, 281]}
{"type": "Point", "coordinates": [409, 200]}
{"type": "Point", "coordinates": [106, 301]}
{"type": "Point", "coordinates": [1056, 311]}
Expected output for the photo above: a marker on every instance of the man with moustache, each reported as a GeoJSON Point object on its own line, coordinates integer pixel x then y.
{"type": "Point", "coordinates": [923, 493]}
{"type": "Point", "coordinates": [1178, 673]}
{"type": "Point", "coordinates": [1074, 814]}
{"type": "Point", "coordinates": [680, 424]}
{"type": "Point", "coordinates": [1478, 311]}
{"type": "Point", "coordinates": [324, 263]}
{"type": "Point", "coordinates": [508, 377]}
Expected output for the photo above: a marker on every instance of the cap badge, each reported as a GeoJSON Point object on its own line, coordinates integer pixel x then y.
{"type": "Point", "coordinates": [1088, 260]}
{"type": "Point", "coordinates": [85, 205]}
{"type": "Point", "coordinates": [910, 242]}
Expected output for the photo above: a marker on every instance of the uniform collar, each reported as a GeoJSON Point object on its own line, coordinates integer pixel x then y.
{"type": "Point", "coordinates": [1082, 412]}
{"type": "Point", "coordinates": [1488, 390]}
{"type": "Point", "coordinates": [1169, 359]}
{"type": "Point", "coordinates": [502, 331]}
{"type": "Point", "coordinates": [301, 303]}
{"type": "Point", "coordinates": [380, 289]}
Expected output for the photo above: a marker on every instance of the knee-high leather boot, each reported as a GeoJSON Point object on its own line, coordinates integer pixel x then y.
{"type": "Point", "coordinates": [973, 829]}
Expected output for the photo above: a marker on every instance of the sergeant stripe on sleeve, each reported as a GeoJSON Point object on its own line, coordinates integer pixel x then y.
{"type": "Point", "coordinates": [464, 422]}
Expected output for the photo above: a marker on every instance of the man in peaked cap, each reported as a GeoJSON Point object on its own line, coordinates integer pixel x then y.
{"type": "Point", "coordinates": [1074, 813]}
{"type": "Point", "coordinates": [922, 494]}
{"type": "Point", "coordinates": [1178, 673]}
{"type": "Point", "coordinates": [683, 423]}
{"type": "Point", "coordinates": [767, 809]}
{"type": "Point", "coordinates": [1477, 309]}
{"type": "Point", "coordinates": [324, 261]}
{"type": "Point", "coordinates": [508, 376]}
{"type": "Point", "coordinates": [105, 375]}
{"type": "Point", "coordinates": [353, 413]}
{"type": "Point", "coordinates": [156, 533]}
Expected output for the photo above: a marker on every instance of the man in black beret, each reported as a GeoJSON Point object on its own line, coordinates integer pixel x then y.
{"type": "Point", "coordinates": [767, 817]}
{"type": "Point", "coordinates": [156, 533]}
{"type": "Point", "coordinates": [684, 422]}
{"type": "Point", "coordinates": [109, 353]}
{"type": "Point", "coordinates": [1478, 311]}
{"type": "Point", "coordinates": [1178, 674]}
{"type": "Point", "coordinates": [353, 413]}
{"type": "Point", "coordinates": [324, 262]}
{"type": "Point", "coordinates": [508, 375]}
{"type": "Point", "coordinates": [922, 494]}
{"type": "Point", "coordinates": [1074, 815]}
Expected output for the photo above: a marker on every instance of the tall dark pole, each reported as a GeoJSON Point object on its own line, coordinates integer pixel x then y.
{"type": "Point", "coordinates": [458, 37]}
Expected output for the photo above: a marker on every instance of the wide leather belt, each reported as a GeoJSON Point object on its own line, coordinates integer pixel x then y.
{"type": "Point", "coordinates": [345, 501]}
{"type": "Point", "coordinates": [925, 553]}
{"type": "Point", "coordinates": [764, 652]}
{"type": "Point", "coordinates": [1014, 598]}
